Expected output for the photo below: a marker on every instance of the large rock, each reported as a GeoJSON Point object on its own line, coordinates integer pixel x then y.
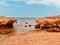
{"type": "Point", "coordinates": [5, 20]}
{"type": "Point", "coordinates": [51, 23]}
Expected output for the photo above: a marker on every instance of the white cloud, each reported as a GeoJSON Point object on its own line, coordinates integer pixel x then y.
{"type": "Point", "coordinates": [18, 0]}
{"type": "Point", "coordinates": [10, 5]}
{"type": "Point", "coordinates": [45, 2]}
{"type": "Point", "coordinates": [2, 3]}
{"type": "Point", "coordinates": [36, 2]}
{"type": "Point", "coordinates": [5, 3]}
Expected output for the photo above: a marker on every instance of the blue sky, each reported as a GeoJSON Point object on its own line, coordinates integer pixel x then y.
{"type": "Point", "coordinates": [29, 8]}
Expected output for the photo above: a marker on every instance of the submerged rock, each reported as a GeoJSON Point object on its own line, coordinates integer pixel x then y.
{"type": "Point", "coordinates": [30, 25]}
{"type": "Point", "coordinates": [25, 26]}
{"type": "Point", "coordinates": [26, 22]}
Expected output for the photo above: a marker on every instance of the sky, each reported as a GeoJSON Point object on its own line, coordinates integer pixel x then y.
{"type": "Point", "coordinates": [29, 8]}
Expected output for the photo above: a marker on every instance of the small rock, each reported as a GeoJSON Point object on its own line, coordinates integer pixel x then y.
{"type": "Point", "coordinates": [25, 25]}
{"type": "Point", "coordinates": [26, 22]}
{"type": "Point", "coordinates": [37, 26]}
{"type": "Point", "coordinates": [16, 22]}
{"type": "Point", "coordinates": [29, 25]}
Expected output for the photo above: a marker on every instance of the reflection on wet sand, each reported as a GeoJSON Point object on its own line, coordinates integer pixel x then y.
{"type": "Point", "coordinates": [7, 30]}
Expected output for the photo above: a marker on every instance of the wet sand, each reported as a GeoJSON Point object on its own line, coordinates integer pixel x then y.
{"type": "Point", "coordinates": [22, 35]}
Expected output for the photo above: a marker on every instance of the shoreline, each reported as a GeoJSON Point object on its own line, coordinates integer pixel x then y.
{"type": "Point", "coordinates": [30, 37]}
{"type": "Point", "coordinates": [33, 38]}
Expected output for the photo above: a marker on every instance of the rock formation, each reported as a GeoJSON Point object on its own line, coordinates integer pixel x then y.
{"type": "Point", "coordinates": [4, 21]}
{"type": "Point", "coordinates": [50, 23]}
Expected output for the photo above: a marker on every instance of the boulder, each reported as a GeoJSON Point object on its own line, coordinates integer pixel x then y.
{"type": "Point", "coordinates": [4, 20]}
{"type": "Point", "coordinates": [50, 23]}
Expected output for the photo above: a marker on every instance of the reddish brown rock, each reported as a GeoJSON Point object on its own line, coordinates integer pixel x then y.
{"type": "Point", "coordinates": [50, 23]}
{"type": "Point", "coordinates": [5, 20]}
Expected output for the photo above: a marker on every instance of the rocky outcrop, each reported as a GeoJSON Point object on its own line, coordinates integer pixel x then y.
{"type": "Point", "coordinates": [50, 23]}
{"type": "Point", "coordinates": [5, 21]}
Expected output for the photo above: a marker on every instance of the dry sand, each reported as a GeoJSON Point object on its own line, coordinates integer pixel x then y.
{"type": "Point", "coordinates": [32, 38]}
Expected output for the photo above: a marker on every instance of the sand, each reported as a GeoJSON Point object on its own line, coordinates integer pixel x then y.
{"type": "Point", "coordinates": [32, 38]}
{"type": "Point", "coordinates": [23, 36]}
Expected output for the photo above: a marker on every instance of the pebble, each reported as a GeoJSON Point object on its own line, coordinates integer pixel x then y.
{"type": "Point", "coordinates": [15, 22]}
{"type": "Point", "coordinates": [29, 25]}
{"type": "Point", "coordinates": [26, 22]}
{"type": "Point", "coordinates": [25, 25]}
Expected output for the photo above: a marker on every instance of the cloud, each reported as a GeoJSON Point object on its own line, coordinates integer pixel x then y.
{"type": "Point", "coordinates": [15, 0]}
{"type": "Point", "coordinates": [10, 5]}
{"type": "Point", "coordinates": [55, 3]}
{"type": "Point", "coordinates": [45, 2]}
{"type": "Point", "coordinates": [2, 3]}
{"type": "Point", "coordinates": [5, 3]}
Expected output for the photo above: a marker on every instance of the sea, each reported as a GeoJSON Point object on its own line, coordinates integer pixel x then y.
{"type": "Point", "coordinates": [24, 24]}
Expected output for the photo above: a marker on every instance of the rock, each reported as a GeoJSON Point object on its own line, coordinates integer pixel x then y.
{"type": "Point", "coordinates": [26, 22]}
{"type": "Point", "coordinates": [25, 25]}
{"type": "Point", "coordinates": [29, 25]}
{"type": "Point", "coordinates": [55, 29]}
{"type": "Point", "coordinates": [5, 20]}
{"type": "Point", "coordinates": [16, 22]}
{"type": "Point", "coordinates": [37, 26]}
{"type": "Point", "coordinates": [50, 23]}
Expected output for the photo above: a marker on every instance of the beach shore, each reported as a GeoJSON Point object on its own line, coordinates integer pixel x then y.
{"type": "Point", "coordinates": [26, 35]}
{"type": "Point", "coordinates": [32, 38]}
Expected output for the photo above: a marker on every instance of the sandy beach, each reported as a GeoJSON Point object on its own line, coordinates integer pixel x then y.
{"type": "Point", "coordinates": [23, 34]}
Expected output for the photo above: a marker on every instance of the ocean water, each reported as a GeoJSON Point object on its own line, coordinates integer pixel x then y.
{"type": "Point", "coordinates": [21, 25]}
